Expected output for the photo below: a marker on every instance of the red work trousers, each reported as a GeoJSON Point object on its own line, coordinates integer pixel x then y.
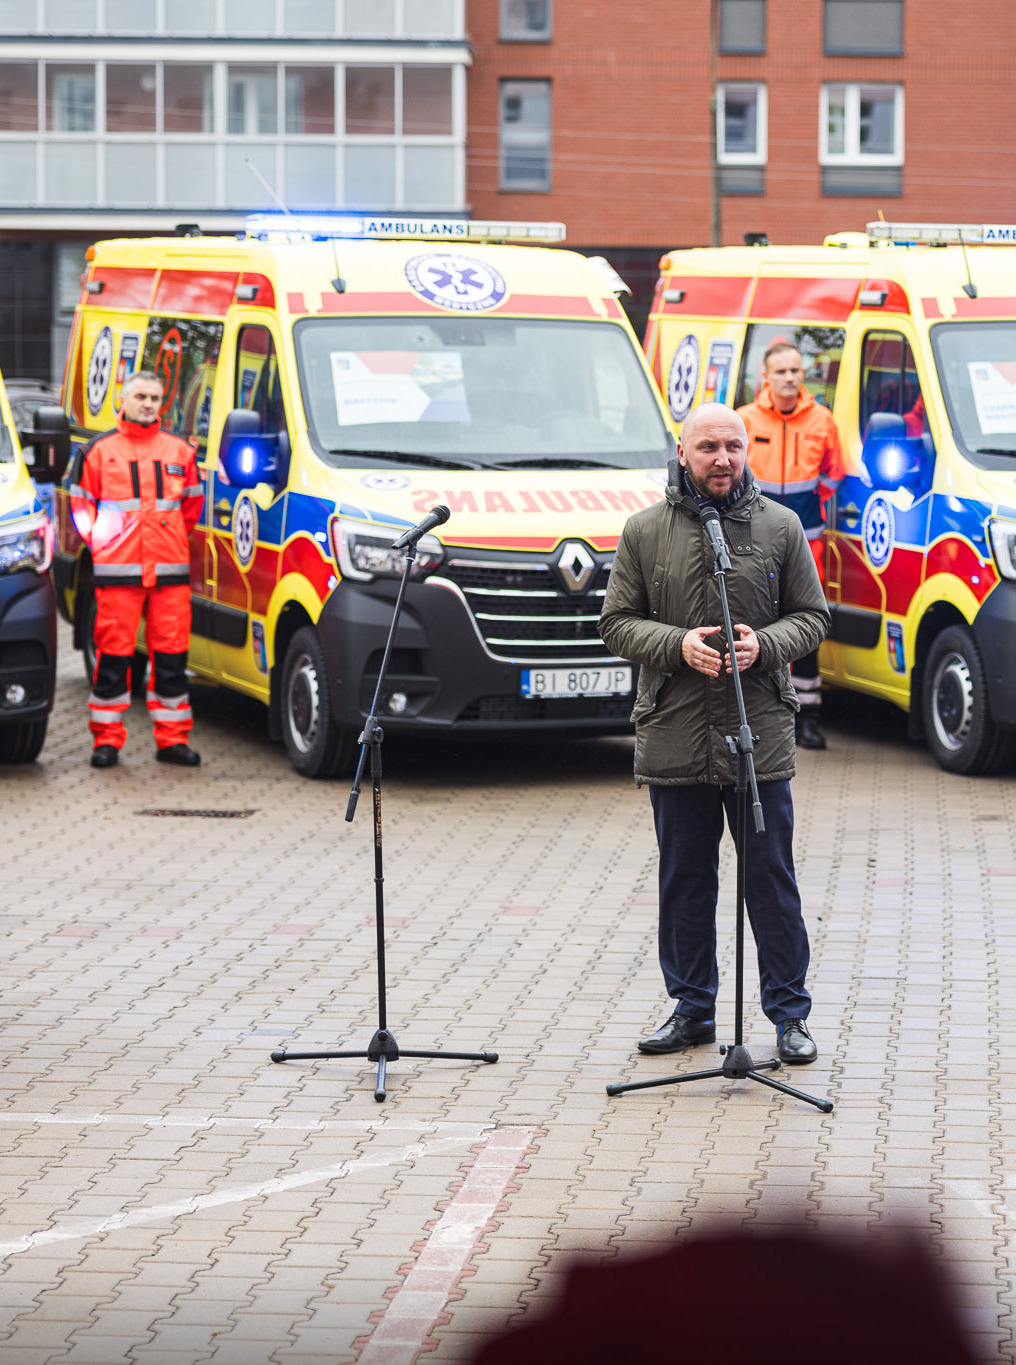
{"type": "Point", "coordinates": [167, 614]}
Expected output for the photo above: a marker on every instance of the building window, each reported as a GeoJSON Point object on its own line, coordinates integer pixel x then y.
{"type": "Point", "coordinates": [253, 100]}
{"type": "Point", "coordinates": [525, 135]}
{"type": "Point", "coordinates": [370, 100]}
{"type": "Point", "coordinates": [861, 139]}
{"type": "Point", "coordinates": [525, 21]}
{"type": "Point", "coordinates": [863, 28]}
{"type": "Point", "coordinates": [187, 95]}
{"type": "Point", "coordinates": [310, 99]}
{"type": "Point", "coordinates": [741, 125]}
{"type": "Point", "coordinates": [742, 25]}
{"type": "Point", "coordinates": [70, 99]}
{"type": "Point", "coordinates": [19, 97]}
{"type": "Point", "coordinates": [427, 101]}
{"type": "Point", "coordinates": [861, 125]}
{"type": "Point", "coordinates": [130, 98]}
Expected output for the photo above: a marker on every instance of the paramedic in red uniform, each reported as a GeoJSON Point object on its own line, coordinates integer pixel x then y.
{"type": "Point", "coordinates": [138, 498]}
{"type": "Point", "coordinates": [794, 454]}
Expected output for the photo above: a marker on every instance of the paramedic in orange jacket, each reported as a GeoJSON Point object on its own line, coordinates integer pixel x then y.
{"type": "Point", "coordinates": [795, 456]}
{"type": "Point", "coordinates": [138, 497]}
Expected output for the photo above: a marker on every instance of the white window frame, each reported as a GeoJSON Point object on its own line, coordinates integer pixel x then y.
{"type": "Point", "coordinates": [852, 155]}
{"type": "Point", "coordinates": [760, 155]}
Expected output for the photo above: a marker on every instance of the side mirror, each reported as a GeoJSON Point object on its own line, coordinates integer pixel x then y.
{"type": "Point", "coordinates": [247, 457]}
{"type": "Point", "coordinates": [50, 442]}
{"type": "Point", "coordinates": [895, 460]}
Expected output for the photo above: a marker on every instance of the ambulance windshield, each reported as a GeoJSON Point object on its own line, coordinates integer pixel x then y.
{"type": "Point", "coordinates": [478, 392]}
{"type": "Point", "coordinates": [977, 369]}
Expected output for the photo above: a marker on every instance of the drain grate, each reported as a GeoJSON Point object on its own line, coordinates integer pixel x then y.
{"type": "Point", "coordinates": [169, 813]}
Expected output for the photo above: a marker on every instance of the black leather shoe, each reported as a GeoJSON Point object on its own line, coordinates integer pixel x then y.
{"type": "Point", "coordinates": [678, 1033]}
{"type": "Point", "coordinates": [796, 1045]}
{"type": "Point", "coordinates": [104, 756]}
{"type": "Point", "coordinates": [807, 733]}
{"type": "Point", "coordinates": [180, 754]}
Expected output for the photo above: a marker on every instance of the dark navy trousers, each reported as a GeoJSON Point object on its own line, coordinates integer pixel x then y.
{"type": "Point", "coordinates": [689, 826]}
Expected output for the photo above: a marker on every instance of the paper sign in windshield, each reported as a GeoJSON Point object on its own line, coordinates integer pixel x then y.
{"type": "Point", "coordinates": [994, 389]}
{"type": "Point", "coordinates": [398, 386]}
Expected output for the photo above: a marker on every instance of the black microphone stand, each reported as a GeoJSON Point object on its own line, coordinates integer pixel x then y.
{"type": "Point", "coordinates": [382, 1047]}
{"type": "Point", "coordinates": [737, 1061]}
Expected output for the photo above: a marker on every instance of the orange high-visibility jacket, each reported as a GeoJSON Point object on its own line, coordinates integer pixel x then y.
{"type": "Point", "coordinates": [138, 497]}
{"type": "Point", "coordinates": [796, 459]}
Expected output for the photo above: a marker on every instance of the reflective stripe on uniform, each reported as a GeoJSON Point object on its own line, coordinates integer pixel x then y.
{"type": "Point", "coordinates": [814, 532]}
{"type": "Point", "coordinates": [173, 568]}
{"type": "Point", "coordinates": [159, 713]}
{"type": "Point", "coordinates": [798, 486]}
{"type": "Point", "coordinates": [193, 490]}
{"type": "Point", "coordinates": [153, 699]}
{"type": "Point", "coordinates": [830, 483]}
{"type": "Point", "coordinates": [76, 491]}
{"type": "Point", "coordinates": [105, 717]}
{"type": "Point", "coordinates": [122, 504]}
{"type": "Point", "coordinates": [132, 571]}
{"type": "Point", "coordinates": [124, 699]}
{"type": "Point", "coordinates": [809, 690]}
{"type": "Point", "coordinates": [167, 504]}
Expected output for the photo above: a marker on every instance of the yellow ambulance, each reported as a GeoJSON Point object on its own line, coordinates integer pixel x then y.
{"type": "Point", "coordinates": [908, 335]}
{"type": "Point", "coordinates": [27, 608]}
{"type": "Point", "coordinates": [339, 376]}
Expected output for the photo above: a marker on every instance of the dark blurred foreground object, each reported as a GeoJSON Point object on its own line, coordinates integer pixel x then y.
{"type": "Point", "coordinates": [732, 1298]}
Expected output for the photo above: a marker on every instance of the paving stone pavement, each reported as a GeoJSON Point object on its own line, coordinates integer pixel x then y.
{"type": "Point", "coordinates": [171, 1197]}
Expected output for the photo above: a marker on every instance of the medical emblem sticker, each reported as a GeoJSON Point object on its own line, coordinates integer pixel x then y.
{"type": "Point", "coordinates": [878, 531]}
{"type": "Point", "coordinates": [245, 530]}
{"type": "Point", "coordinates": [456, 282]}
{"type": "Point", "coordinates": [100, 370]}
{"type": "Point", "coordinates": [682, 381]}
{"type": "Point", "coordinates": [386, 483]}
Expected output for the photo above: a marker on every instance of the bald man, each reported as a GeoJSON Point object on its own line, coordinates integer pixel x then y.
{"type": "Point", "coordinates": [662, 611]}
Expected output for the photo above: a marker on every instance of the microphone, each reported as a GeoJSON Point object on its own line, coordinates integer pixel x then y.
{"type": "Point", "coordinates": [710, 519]}
{"type": "Point", "coordinates": [435, 517]}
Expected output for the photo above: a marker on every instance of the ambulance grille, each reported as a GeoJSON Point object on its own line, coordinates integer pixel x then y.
{"type": "Point", "coordinates": [524, 614]}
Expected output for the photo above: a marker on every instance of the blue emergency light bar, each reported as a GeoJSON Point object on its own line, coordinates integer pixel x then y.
{"type": "Point", "coordinates": [324, 227]}
{"type": "Point", "coordinates": [943, 234]}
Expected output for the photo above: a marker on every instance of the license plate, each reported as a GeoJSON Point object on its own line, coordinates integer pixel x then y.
{"type": "Point", "coordinates": [575, 682]}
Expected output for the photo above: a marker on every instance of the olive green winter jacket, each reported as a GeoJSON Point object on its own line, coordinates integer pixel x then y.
{"type": "Point", "coordinates": [663, 583]}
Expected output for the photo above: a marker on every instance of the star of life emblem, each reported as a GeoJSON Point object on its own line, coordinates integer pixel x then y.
{"type": "Point", "coordinates": [457, 282]}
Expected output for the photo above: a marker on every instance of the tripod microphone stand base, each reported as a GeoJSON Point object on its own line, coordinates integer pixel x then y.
{"type": "Point", "coordinates": [383, 1049]}
{"type": "Point", "coordinates": [737, 1066]}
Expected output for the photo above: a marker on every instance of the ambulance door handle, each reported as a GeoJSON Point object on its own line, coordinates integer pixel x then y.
{"type": "Point", "coordinates": [223, 512]}
{"type": "Point", "coordinates": [850, 514]}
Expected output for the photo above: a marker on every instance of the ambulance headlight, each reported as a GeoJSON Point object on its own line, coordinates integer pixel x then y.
{"type": "Point", "coordinates": [1002, 535]}
{"type": "Point", "coordinates": [364, 553]}
{"type": "Point", "coordinates": [27, 546]}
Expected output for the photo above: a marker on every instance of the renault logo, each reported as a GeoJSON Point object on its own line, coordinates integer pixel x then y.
{"type": "Point", "coordinates": [576, 566]}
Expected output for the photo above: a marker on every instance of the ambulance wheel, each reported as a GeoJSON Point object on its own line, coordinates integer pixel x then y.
{"type": "Point", "coordinates": [316, 745]}
{"type": "Point", "coordinates": [957, 718]}
{"type": "Point", "coordinates": [89, 654]}
{"type": "Point", "coordinates": [22, 743]}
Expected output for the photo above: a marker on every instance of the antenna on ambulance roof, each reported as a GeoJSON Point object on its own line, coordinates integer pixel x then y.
{"type": "Point", "coordinates": [338, 284]}
{"type": "Point", "coordinates": [970, 289]}
{"type": "Point", "coordinates": [254, 171]}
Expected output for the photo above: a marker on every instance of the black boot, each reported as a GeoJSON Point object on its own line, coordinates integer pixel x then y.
{"type": "Point", "coordinates": [180, 754]}
{"type": "Point", "coordinates": [806, 731]}
{"type": "Point", "coordinates": [104, 756]}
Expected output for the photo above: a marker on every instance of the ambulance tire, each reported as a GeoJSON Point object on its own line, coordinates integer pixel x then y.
{"type": "Point", "coordinates": [139, 664]}
{"type": "Point", "coordinates": [22, 743]}
{"type": "Point", "coordinates": [316, 745]}
{"type": "Point", "coordinates": [957, 717]}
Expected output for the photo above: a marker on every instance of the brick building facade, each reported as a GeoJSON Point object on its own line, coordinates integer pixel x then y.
{"type": "Point", "coordinates": [829, 111]}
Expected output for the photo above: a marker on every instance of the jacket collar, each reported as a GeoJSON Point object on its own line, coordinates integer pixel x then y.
{"type": "Point", "coordinates": [679, 493]}
{"type": "Point", "coordinates": [805, 401]}
{"type": "Point", "coordinates": [137, 431]}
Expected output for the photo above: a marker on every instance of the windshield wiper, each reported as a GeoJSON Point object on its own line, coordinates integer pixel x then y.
{"type": "Point", "coordinates": [408, 457]}
{"type": "Point", "coordinates": [995, 450]}
{"type": "Point", "coordinates": [556, 462]}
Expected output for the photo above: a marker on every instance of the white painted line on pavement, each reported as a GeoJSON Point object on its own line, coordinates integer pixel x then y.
{"type": "Point", "coordinates": [190, 1121]}
{"type": "Point", "coordinates": [231, 1194]}
{"type": "Point", "coordinates": [406, 1322]}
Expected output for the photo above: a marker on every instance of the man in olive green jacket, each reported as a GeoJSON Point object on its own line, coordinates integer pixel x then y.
{"type": "Point", "coordinates": [661, 611]}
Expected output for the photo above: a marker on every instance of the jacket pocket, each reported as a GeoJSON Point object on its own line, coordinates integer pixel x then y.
{"type": "Point", "coordinates": [785, 688]}
{"type": "Point", "coordinates": [650, 682]}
